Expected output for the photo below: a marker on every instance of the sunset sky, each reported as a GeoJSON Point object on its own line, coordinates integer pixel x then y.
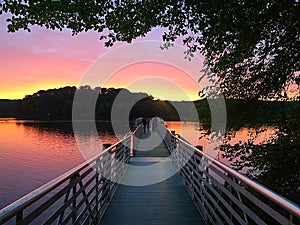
{"type": "Point", "coordinates": [44, 59]}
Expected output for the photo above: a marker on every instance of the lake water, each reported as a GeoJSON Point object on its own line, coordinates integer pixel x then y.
{"type": "Point", "coordinates": [194, 133]}
{"type": "Point", "coordinates": [32, 153]}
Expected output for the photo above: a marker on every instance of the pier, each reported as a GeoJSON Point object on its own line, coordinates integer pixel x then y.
{"type": "Point", "coordinates": [152, 178]}
{"type": "Point", "coordinates": [164, 202]}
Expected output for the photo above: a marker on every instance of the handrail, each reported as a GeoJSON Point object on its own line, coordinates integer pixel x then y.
{"type": "Point", "coordinates": [280, 200]}
{"type": "Point", "coordinates": [206, 182]}
{"type": "Point", "coordinates": [109, 155]}
{"type": "Point", "coordinates": [44, 189]}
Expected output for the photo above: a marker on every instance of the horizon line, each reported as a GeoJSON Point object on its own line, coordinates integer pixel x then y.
{"type": "Point", "coordinates": [93, 88]}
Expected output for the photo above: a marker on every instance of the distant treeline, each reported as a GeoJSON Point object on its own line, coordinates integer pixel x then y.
{"type": "Point", "coordinates": [256, 113]}
{"type": "Point", "coordinates": [56, 104]}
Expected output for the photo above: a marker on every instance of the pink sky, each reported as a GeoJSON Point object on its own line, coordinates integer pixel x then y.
{"type": "Point", "coordinates": [161, 80]}
{"type": "Point", "coordinates": [44, 59]}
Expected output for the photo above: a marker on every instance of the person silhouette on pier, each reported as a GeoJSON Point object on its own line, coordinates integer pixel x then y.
{"type": "Point", "coordinates": [144, 123]}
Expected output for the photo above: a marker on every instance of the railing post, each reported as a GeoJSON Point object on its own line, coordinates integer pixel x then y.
{"type": "Point", "coordinates": [97, 183]}
{"type": "Point", "coordinates": [131, 145]}
{"type": "Point", "coordinates": [200, 148]}
{"type": "Point", "coordinates": [105, 146]}
{"type": "Point", "coordinates": [110, 161]}
{"type": "Point", "coordinates": [173, 140]}
{"type": "Point", "coordinates": [19, 217]}
{"type": "Point", "coordinates": [74, 201]}
{"type": "Point", "coordinates": [191, 169]}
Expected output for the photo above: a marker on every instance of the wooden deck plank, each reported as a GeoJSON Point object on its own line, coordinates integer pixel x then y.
{"type": "Point", "coordinates": [151, 145]}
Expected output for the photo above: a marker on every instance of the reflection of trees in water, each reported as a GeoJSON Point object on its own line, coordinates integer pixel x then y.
{"type": "Point", "coordinates": [67, 127]}
{"type": "Point", "coordinates": [275, 162]}
{"type": "Point", "coordinates": [60, 127]}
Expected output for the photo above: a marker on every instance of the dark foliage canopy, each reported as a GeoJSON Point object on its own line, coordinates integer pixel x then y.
{"type": "Point", "coordinates": [252, 46]}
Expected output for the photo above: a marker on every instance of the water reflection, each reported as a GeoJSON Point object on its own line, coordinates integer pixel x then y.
{"type": "Point", "coordinates": [190, 130]}
{"type": "Point", "coordinates": [243, 135]}
{"type": "Point", "coordinates": [64, 126]}
{"type": "Point", "coordinates": [32, 153]}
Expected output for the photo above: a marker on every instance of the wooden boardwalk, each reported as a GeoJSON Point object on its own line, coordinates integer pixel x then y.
{"type": "Point", "coordinates": [151, 198]}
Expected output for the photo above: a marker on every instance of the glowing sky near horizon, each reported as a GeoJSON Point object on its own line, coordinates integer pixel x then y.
{"type": "Point", "coordinates": [163, 81]}
{"type": "Point", "coordinates": [45, 59]}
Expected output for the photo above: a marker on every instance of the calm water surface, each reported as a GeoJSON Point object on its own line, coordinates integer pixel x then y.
{"type": "Point", "coordinates": [33, 153]}
{"type": "Point", "coordinates": [195, 134]}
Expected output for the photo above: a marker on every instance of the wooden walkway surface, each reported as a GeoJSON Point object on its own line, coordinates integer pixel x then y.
{"type": "Point", "coordinates": [151, 198]}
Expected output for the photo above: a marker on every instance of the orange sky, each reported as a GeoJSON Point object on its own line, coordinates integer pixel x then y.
{"type": "Point", "coordinates": [44, 59]}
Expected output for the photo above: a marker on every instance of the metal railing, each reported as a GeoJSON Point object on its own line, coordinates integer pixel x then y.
{"type": "Point", "coordinates": [223, 195]}
{"type": "Point", "coordinates": [79, 196]}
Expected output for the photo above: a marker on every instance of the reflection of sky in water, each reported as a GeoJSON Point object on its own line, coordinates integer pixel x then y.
{"type": "Point", "coordinates": [31, 154]}
{"type": "Point", "coordinates": [190, 129]}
